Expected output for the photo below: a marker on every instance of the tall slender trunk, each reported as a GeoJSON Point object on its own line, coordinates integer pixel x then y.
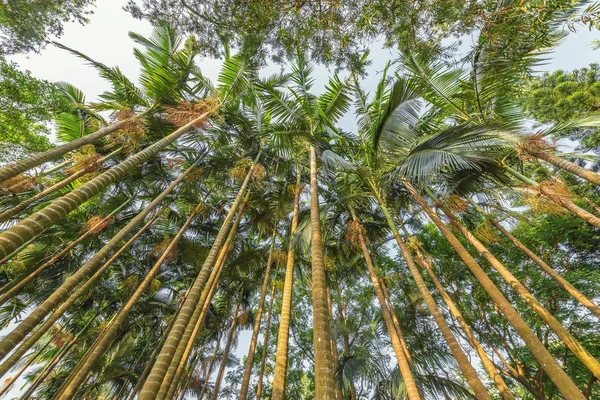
{"type": "Point", "coordinates": [390, 306]}
{"type": "Point", "coordinates": [263, 358]}
{"type": "Point", "coordinates": [256, 329]}
{"type": "Point", "coordinates": [38, 333]}
{"type": "Point", "coordinates": [38, 222]}
{"type": "Point", "coordinates": [4, 216]}
{"type": "Point", "coordinates": [15, 286]}
{"type": "Point", "coordinates": [324, 369]}
{"type": "Point", "coordinates": [569, 340]}
{"type": "Point", "coordinates": [15, 169]}
{"type": "Point", "coordinates": [210, 371]}
{"type": "Point", "coordinates": [573, 168]}
{"type": "Point", "coordinates": [217, 388]}
{"type": "Point", "coordinates": [487, 362]}
{"type": "Point", "coordinates": [584, 300]}
{"type": "Point", "coordinates": [35, 317]}
{"type": "Point", "coordinates": [334, 349]}
{"type": "Point", "coordinates": [547, 362]}
{"type": "Point", "coordinates": [153, 383]}
{"type": "Point", "coordinates": [278, 390]}
{"type": "Point", "coordinates": [171, 380]}
{"type": "Point", "coordinates": [560, 200]}
{"type": "Point", "coordinates": [401, 355]}
{"type": "Point", "coordinates": [96, 352]}
{"type": "Point", "coordinates": [164, 335]}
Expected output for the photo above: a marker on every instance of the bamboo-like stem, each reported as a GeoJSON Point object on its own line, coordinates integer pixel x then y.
{"type": "Point", "coordinates": [210, 370]}
{"type": "Point", "coordinates": [334, 350]}
{"type": "Point", "coordinates": [558, 162]}
{"type": "Point", "coordinates": [263, 359]}
{"type": "Point", "coordinates": [388, 302]}
{"type": "Point", "coordinates": [217, 388]}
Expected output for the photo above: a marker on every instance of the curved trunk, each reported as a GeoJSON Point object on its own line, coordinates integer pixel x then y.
{"type": "Point", "coordinates": [461, 358]}
{"type": "Point", "coordinates": [278, 390]}
{"type": "Point", "coordinates": [5, 215]}
{"type": "Point", "coordinates": [98, 350]}
{"type": "Point", "coordinates": [547, 362]}
{"type": "Point", "coordinates": [256, 329]}
{"type": "Point", "coordinates": [159, 370]}
{"type": "Point", "coordinates": [390, 307]}
{"type": "Point", "coordinates": [35, 317]}
{"type": "Point", "coordinates": [217, 388]}
{"type": "Point", "coordinates": [171, 380]}
{"type": "Point", "coordinates": [486, 361]}
{"type": "Point", "coordinates": [38, 222]}
{"type": "Point", "coordinates": [324, 369]}
{"type": "Point", "coordinates": [15, 169]}
{"type": "Point", "coordinates": [263, 358]}
{"type": "Point", "coordinates": [548, 269]}
{"type": "Point", "coordinates": [38, 333]}
{"type": "Point", "coordinates": [573, 168]}
{"type": "Point", "coordinates": [16, 285]}
{"type": "Point", "coordinates": [209, 373]}
{"type": "Point", "coordinates": [584, 356]}
{"type": "Point", "coordinates": [401, 355]}
{"type": "Point", "coordinates": [560, 200]}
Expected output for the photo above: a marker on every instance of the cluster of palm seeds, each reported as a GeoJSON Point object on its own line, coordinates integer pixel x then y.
{"type": "Point", "coordinates": [355, 230]}
{"type": "Point", "coordinates": [97, 224]}
{"type": "Point", "coordinates": [185, 112]}
{"type": "Point", "coordinates": [85, 159]}
{"type": "Point", "coordinates": [486, 233]}
{"type": "Point", "coordinates": [18, 184]}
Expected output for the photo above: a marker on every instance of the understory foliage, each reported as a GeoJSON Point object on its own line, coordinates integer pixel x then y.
{"type": "Point", "coordinates": [140, 264]}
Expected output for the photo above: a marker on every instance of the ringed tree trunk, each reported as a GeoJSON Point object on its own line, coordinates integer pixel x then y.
{"type": "Point", "coordinates": [93, 354]}
{"type": "Point", "coordinates": [278, 390]}
{"type": "Point", "coordinates": [324, 368]}
{"type": "Point", "coordinates": [558, 199]}
{"type": "Point", "coordinates": [461, 358]}
{"type": "Point", "coordinates": [38, 222]}
{"type": "Point", "coordinates": [159, 370]}
{"type": "Point", "coordinates": [401, 355]}
{"type": "Point", "coordinates": [177, 367]}
{"type": "Point", "coordinates": [256, 329]}
{"type": "Point", "coordinates": [334, 349]}
{"type": "Point", "coordinates": [486, 361]}
{"type": "Point", "coordinates": [4, 216]}
{"type": "Point", "coordinates": [38, 333]}
{"type": "Point", "coordinates": [562, 381]}
{"type": "Point", "coordinates": [263, 358]}
{"type": "Point", "coordinates": [568, 339]}
{"type": "Point", "coordinates": [15, 286]}
{"type": "Point", "coordinates": [217, 388]}
{"type": "Point", "coordinates": [15, 169]}
{"type": "Point", "coordinates": [36, 316]}
{"type": "Point", "coordinates": [210, 370]}
{"type": "Point", "coordinates": [584, 300]}
{"type": "Point", "coordinates": [558, 162]}
{"type": "Point", "coordinates": [390, 306]}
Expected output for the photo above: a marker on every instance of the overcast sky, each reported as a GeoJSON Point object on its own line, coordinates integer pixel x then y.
{"type": "Point", "coordinates": [105, 39]}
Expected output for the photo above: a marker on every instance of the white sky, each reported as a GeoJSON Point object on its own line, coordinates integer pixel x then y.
{"type": "Point", "coordinates": [106, 39]}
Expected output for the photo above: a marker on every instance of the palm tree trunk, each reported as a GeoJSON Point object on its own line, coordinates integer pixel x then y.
{"type": "Point", "coordinates": [210, 371]}
{"type": "Point", "coordinates": [15, 286]}
{"type": "Point", "coordinates": [4, 216]}
{"type": "Point", "coordinates": [263, 358]}
{"type": "Point", "coordinates": [38, 222]}
{"type": "Point", "coordinates": [153, 383]}
{"type": "Point", "coordinates": [390, 306]}
{"type": "Point", "coordinates": [401, 355]}
{"type": "Point", "coordinates": [547, 362]}
{"type": "Point", "coordinates": [35, 317]}
{"type": "Point", "coordinates": [278, 390]}
{"type": "Point", "coordinates": [217, 388]}
{"type": "Point", "coordinates": [162, 340]}
{"type": "Point", "coordinates": [560, 200]}
{"type": "Point", "coordinates": [95, 352]}
{"type": "Point", "coordinates": [573, 168]}
{"type": "Point", "coordinates": [171, 380]}
{"type": "Point", "coordinates": [15, 169]}
{"type": "Point", "coordinates": [256, 329]}
{"type": "Point", "coordinates": [487, 362]}
{"type": "Point", "coordinates": [324, 368]}
{"type": "Point", "coordinates": [584, 356]}
{"type": "Point", "coordinates": [334, 350]}
{"type": "Point", "coordinates": [585, 301]}
{"type": "Point", "coordinates": [38, 333]}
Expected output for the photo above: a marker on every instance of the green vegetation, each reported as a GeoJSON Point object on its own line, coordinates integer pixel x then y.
{"type": "Point", "coordinates": [443, 249]}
